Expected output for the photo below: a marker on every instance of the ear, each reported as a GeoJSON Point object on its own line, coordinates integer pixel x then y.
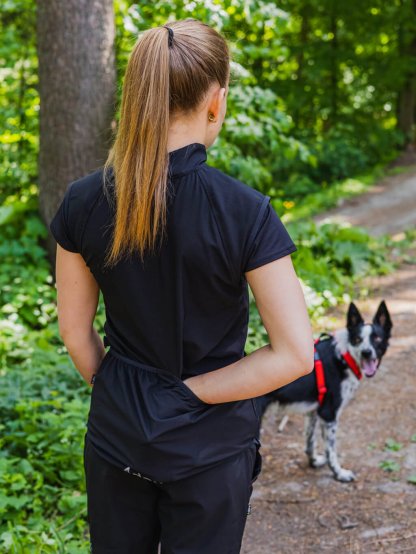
{"type": "Point", "coordinates": [383, 318]}
{"type": "Point", "coordinates": [354, 317]}
{"type": "Point", "coordinates": [216, 98]}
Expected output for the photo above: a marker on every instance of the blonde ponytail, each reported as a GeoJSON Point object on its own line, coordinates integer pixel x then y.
{"type": "Point", "coordinates": [167, 72]}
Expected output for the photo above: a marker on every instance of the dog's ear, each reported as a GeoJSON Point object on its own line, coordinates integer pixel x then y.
{"type": "Point", "coordinates": [383, 318]}
{"type": "Point", "coordinates": [354, 317]}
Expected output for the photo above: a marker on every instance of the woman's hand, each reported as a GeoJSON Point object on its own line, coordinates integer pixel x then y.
{"type": "Point", "coordinates": [192, 383]}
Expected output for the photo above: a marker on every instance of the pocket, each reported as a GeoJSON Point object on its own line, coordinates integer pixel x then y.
{"type": "Point", "coordinates": [100, 368]}
{"type": "Point", "coordinates": [189, 393]}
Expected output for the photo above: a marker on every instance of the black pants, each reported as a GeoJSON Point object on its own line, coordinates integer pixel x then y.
{"type": "Point", "coordinates": [202, 514]}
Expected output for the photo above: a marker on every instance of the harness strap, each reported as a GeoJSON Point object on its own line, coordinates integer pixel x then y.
{"type": "Point", "coordinates": [319, 369]}
{"type": "Point", "coordinates": [320, 375]}
{"type": "Point", "coordinates": [352, 364]}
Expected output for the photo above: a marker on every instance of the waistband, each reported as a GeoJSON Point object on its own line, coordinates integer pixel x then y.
{"type": "Point", "coordinates": [137, 363]}
{"type": "Point", "coordinates": [141, 365]}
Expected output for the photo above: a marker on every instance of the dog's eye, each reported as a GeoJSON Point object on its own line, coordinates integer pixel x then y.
{"type": "Point", "coordinates": [356, 340]}
{"type": "Point", "coordinates": [377, 339]}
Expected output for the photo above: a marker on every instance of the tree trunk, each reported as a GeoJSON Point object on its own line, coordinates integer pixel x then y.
{"type": "Point", "coordinates": [303, 44]}
{"type": "Point", "coordinates": [333, 86]}
{"type": "Point", "coordinates": [406, 102]}
{"type": "Point", "coordinates": [77, 88]}
{"type": "Point", "coordinates": [407, 109]}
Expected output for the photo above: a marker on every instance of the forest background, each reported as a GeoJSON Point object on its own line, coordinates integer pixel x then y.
{"type": "Point", "coordinates": [321, 105]}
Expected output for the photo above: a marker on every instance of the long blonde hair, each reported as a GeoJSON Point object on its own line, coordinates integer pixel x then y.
{"type": "Point", "coordinates": [164, 76]}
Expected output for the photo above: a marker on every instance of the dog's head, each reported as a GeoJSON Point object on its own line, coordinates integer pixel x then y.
{"type": "Point", "coordinates": [368, 342]}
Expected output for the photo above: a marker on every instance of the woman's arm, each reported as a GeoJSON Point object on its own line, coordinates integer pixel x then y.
{"type": "Point", "coordinates": [281, 304]}
{"type": "Point", "coordinates": [77, 301]}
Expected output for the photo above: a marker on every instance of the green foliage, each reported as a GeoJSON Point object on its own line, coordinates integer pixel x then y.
{"type": "Point", "coordinates": [259, 133]}
{"type": "Point", "coordinates": [43, 403]}
{"type": "Point", "coordinates": [43, 400]}
{"type": "Point", "coordinates": [393, 445]}
{"type": "Point", "coordinates": [43, 409]}
{"type": "Point", "coordinates": [26, 295]}
{"type": "Point", "coordinates": [389, 465]}
{"type": "Point", "coordinates": [338, 155]}
{"type": "Point", "coordinates": [300, 113]}
{"type": "Point", "coordinates": [331, 257]}
{"type": "Point", "coordinates": [19, 98]}
{"type": "Point", "coordinates": [311, 108]}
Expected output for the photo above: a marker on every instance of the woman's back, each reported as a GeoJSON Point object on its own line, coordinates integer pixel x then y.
{"type": "Point", "coordinates": [185, 308]}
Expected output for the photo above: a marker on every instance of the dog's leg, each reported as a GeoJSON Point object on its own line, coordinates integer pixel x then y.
{"type": "Point", "coordinates": [315, 460]}
{"type": "Point", "coordinates": [282, 423]}
{"type": "Point", "coordinates": [330, 431]}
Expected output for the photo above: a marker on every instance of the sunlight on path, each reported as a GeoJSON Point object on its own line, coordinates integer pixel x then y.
{"type": "Point", "coordinates": [388, 208]}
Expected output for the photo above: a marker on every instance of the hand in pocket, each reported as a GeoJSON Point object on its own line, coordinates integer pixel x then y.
{"type": "Point", "coordinates": [187, 383]}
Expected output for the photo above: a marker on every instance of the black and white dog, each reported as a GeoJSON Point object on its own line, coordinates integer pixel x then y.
{"type": "Point", "coordinates": [340, 361]}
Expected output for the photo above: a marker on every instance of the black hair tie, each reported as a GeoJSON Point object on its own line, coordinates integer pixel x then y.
{"type": "Point", "coordinates": [170, 36]}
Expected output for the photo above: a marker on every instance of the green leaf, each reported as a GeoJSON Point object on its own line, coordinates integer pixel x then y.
{"type": "Point", "coordinates": [392, 445]}
{"type": "Point", "coordinates": [389, 465]}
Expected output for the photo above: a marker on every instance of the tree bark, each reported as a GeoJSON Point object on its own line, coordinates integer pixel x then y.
{"type": "Point", "coordinates": [77, 89]}
{"type": "Point", "coordinates": [406, 101]}
{"type": "Point", "coordinates": [303, 44]}
{"type": "Point", "coordinates": [334, 70]}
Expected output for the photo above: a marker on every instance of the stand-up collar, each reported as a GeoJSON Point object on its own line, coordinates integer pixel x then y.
{"type": "Point", "coordinates": [186, 159]}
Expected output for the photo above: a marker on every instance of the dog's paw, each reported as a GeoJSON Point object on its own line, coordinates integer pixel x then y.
{"type": "Point", "coordinates": [317, 461]}
{"type": "Point", "coordinates": [345, 476]}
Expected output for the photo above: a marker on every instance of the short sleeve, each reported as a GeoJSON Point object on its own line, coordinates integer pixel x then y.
{"type": "Point", "coordinates": [269, 238]}
{"type": "Point", "coordinates": [62, 225]}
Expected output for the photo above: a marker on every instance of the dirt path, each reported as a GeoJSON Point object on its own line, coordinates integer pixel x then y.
{"type": "Point", "coordinates": [388, 208]}
{"type": "Point", "coordinates": [299, 510]}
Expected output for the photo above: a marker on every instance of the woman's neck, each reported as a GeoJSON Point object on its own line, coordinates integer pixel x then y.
{"type": "Point", "coordinates": [184, 131]}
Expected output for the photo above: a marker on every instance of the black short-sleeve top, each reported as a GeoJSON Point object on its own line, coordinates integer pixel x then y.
{"type": "Point", "coordinates": [185, 308]}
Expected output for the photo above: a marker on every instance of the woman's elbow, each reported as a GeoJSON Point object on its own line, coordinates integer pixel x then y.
{"type": "Point", "coordinates": [304, 361]}
{"type": "Point", "coordinates": [308, 367]}
{"type": "Point", "coordinates": [72, 335]}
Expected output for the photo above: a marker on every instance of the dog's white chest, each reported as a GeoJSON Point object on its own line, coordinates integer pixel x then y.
{"type": "Point", "coordinates": [349, 387]}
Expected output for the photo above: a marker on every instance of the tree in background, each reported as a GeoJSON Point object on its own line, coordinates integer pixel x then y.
{"type": "Point", "coordinates": [406, 49]}
{"type": "Point", "coordinates": [77, 85]}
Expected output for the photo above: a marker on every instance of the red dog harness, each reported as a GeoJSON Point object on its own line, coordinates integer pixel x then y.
{"type": "Point", "coordinates": [320, 374]}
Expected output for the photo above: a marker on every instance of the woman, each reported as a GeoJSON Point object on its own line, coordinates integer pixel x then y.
{"type": "Point", "coordinates": [171, 447]}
